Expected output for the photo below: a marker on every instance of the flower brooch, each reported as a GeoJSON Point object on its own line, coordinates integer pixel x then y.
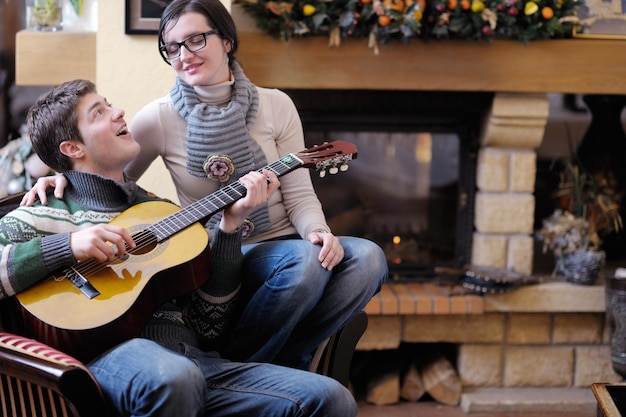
{"type": "Point", "coordinates": [218, 167]}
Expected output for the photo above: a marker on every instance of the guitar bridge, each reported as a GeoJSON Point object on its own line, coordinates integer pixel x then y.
{"type": "Point", "coordinates": [81, 283]}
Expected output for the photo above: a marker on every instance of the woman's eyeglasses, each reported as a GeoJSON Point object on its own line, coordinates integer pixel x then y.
{"type": "Point", "coordinates": [194, 43]}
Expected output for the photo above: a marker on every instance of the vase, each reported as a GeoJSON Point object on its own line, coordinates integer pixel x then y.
{"type": "Point", "coordinates": [44, 15]}
{"type": "Point", "coordinates": [581, 267]}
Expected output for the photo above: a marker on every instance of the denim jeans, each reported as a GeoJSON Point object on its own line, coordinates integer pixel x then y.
{"type": "Point", "coordinates": [293, 304]}
{"type": "Point", "coordinates": [143, 378]}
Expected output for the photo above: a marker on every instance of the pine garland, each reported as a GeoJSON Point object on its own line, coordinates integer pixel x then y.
{"type": "Point", "coordinates": [382, 20]}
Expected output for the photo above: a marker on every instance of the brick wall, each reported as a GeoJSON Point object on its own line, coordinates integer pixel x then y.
{"type": "Point", "coordinates": [545, 335]}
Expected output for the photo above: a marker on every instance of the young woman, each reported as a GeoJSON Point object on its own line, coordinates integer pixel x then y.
{"type": "Point", "coordinates": [301, 283]}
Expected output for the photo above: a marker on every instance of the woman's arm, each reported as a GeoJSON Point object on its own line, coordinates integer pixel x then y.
{"type": "Point", "coordinates": [148, 130]}
{"type": "Point", "coordinates": [299, 198]}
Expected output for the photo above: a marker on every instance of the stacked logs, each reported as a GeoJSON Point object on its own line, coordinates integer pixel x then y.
{"type": "Point", "coordinates": [388, 377]}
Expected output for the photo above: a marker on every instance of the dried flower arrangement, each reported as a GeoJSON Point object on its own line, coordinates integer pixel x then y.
{"type": "Point", "coordinates": [589, 208]}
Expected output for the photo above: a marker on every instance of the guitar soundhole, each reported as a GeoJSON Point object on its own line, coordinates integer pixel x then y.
{"type": "Point", "coordinates": [145, 241]}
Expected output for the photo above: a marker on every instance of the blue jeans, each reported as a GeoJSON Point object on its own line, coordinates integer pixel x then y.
{"type": "Point", "coordinates": [292, 304]}
{"type": "Point", "coordinates": [142, 378]}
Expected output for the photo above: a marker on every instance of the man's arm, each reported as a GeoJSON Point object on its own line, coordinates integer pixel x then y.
{"type": "Point", "coordinates": [33, 247]}
{"type": "Point", "coordinates": [211, 309]}
{"type": "Point", "coordinates": [23, 264]}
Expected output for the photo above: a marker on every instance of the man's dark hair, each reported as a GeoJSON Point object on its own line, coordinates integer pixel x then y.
{"type": "Point", "coordinates": [53, 120]}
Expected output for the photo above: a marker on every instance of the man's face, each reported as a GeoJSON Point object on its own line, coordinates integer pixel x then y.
{"type": "Point", "coordinates": [108, 145]}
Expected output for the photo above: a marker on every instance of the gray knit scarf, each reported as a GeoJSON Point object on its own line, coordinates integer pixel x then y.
{"type": "Point", "coordinates": [223, 133]}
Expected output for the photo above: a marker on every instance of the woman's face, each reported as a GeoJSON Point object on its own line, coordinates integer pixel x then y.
{"type": "Point", "coordinates": [209, 65]}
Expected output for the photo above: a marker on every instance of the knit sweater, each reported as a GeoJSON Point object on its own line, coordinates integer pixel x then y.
{"type": "Point", "coordinates": [35, 242]}
{"type": "Point", "coordinates": [160, 130]}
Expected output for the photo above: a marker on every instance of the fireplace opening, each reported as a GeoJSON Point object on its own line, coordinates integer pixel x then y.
{"type": "Point", "coordinates": [411, 188]}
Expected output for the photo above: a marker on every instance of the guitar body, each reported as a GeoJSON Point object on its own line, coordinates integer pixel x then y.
{"type": "Point", "coordinates": [56, 312]}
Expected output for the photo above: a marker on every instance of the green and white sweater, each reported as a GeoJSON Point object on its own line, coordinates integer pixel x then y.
{"type": "Point", "coordinates": [35, 242]}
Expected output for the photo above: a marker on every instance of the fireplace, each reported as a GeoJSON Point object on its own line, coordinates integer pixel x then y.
{"type": "Point", "coordinates": [411, 189]}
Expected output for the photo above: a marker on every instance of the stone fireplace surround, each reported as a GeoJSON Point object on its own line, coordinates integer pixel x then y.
{"type": "Point", "coordinates": [542, 339]}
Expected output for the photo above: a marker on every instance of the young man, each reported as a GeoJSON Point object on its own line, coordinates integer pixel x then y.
{"type": "Point", "coordinates": [164, 373]}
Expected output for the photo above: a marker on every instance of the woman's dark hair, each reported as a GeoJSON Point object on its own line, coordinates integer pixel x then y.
{"type": "Point", "coordinates": [217, 16]}
{"type": "Point", "coordinates": [53, 120]}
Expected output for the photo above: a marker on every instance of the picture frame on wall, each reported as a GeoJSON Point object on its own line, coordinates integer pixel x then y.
{"type": "Point", "coordinates": [602, 19]}
{"type": "Point", "coordinates": [143, 16]}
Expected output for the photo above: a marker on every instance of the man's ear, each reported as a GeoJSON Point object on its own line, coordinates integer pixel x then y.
{"type": "Point", "coordinates": [71, 149]}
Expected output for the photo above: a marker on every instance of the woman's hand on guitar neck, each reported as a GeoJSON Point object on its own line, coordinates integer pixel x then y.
{"type": "Point", "coordinates": [40, 189]}
{"type": "Point", "coordinates": [259, 188]}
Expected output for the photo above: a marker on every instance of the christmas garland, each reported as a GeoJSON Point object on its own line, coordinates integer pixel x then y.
{"type": "Point", "coordinates": [382, 20]}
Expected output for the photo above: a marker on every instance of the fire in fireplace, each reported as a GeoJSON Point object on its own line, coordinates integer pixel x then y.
{"type": "Point", "coordinates": [411, 189]}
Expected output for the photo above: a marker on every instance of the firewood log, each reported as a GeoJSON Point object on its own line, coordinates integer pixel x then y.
{"type": "Point", "coordinates": [412, 388]}
{"type": "Point", "coordinates": [441, 381]}
{"type": "Point", "coordinates": [384, 389]}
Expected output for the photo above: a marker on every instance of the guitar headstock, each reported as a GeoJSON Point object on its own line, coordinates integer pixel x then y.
{"type": "Point", "coordinates": [331, 156]}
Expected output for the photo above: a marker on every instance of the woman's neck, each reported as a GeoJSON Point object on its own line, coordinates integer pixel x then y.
{"type": "Point", "coordinates": [216, 94]}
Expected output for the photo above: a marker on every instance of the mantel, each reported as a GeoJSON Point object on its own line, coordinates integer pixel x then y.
{"type": "Point", "coordinates": [584, 66]}
{"type": "Point", "coordinates": [567, 66]}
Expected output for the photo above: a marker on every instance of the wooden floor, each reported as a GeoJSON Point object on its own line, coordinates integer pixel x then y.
{"type": "Point", "coordinates": [433, 409]}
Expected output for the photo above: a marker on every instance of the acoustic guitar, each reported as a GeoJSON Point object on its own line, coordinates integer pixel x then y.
{"type": "Point", "coordinates": [91, 306]}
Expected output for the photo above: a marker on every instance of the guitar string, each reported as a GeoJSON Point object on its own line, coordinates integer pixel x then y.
{"type": "Point", "coordinates": [146, 239]}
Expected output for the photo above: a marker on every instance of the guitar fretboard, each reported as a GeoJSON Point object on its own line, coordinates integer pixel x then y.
{"type": "Point", "coordinates": [215, 202]}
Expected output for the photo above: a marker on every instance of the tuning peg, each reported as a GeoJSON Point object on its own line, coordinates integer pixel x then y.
{"type": "Point", "coordinates": [322, 173]}
{"type": "Point", "coordinates": [344, 167]}
{"type": "Point", "coordinates": [333, 170]}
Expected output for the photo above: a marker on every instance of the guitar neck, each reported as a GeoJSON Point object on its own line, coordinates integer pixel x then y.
{"type": "Point", "coordinates": [217, 201]}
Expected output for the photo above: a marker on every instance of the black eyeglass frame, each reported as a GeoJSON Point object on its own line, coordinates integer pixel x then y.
{"type": "Point", "coordinates": [163, 48]}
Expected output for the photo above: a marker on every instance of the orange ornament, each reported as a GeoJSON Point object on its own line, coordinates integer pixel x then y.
{"type": "Point", "coordinates": [466, 4]}
{"type": "Point", "coordinates": [452, 4]}
{"type": "Point", "coordinates": [547, 13]}
{"type": "Point", "coordinates": [365, 1]}
{"type": "Point", "coordinates": [394, 4]}
{"type": "Point", "coordinates": [384, 20]}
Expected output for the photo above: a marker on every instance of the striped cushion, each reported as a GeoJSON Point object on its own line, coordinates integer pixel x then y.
{"type": "Point", "coordinates": [37, 349]}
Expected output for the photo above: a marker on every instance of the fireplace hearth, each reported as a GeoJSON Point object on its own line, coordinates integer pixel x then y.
{"type": "Point", "coordinates": [412, 187]}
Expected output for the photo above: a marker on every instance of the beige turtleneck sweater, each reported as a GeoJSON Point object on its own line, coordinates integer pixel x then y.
{"type": "Point", "coordinates": [160, 131]}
